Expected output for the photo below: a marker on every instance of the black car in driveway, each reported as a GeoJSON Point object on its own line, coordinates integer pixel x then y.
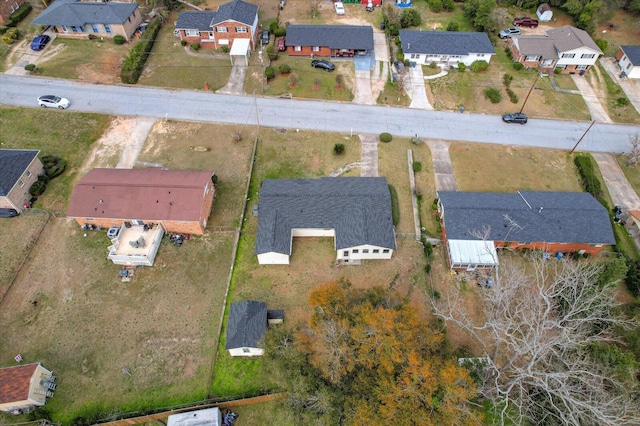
{"type": "Point", "coordinates": [8, 212]}
{"type": "Point", "coordinates": [322, 64]}
{"type": "Point", "coordinates": [516, 117]}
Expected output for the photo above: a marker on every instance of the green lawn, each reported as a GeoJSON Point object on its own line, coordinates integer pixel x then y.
{"type": "Point", "coordinates": [66, 134]}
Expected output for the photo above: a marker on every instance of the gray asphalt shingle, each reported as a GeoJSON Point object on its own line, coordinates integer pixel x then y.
{"type": "Point", "coordinates": [236, 10]}
{"type": "Point", "coordinates": [633, 53]}
{"type": "Point", "coordinates": [246, 325]}
{"type": "Point", "coordinates": [13, 163]}
{"type": "Point", "coordinates": [195, 20]}
{"type": "Point", "coordinates": [526, 216]}
{"type": "Point", "coordinates": [445, 42]}
{"type": "Point", "coordinates": [357, 208]}
{"type": "Point", "coordinates": [76, 13]}
{"type": "Point", "coordinates": [332, 36]}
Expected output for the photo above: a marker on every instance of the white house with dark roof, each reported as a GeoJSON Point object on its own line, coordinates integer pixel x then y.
{"type": "Point", "coordinates": [81, 19]}
{"type": "Point", "coordinates": [246, 327]}
{"type": "Point", "coordinates": [568, 49]}
{"type": "Point", "coordinates": [329, 40]}
{"type": "Point", "coordinates": [19, 169]}
{"type": "Point", "coordinates": [236, 20]}
{"type": "Point", "coordinates": [446, 47]}
{"type": "Point", "coordinates": [629, 60]}
{"type": "Point", "coordinates": [355, 211]}
{"type": "Point", "coordinates": [474, 224]}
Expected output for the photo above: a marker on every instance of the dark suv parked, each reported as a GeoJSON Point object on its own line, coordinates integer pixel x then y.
{"type": "Point", "coordinates": [322, 64]}
{"type": "Point", "coordinates": [264, 38]}
{"type": "Point", "coordinates": [516, 117]}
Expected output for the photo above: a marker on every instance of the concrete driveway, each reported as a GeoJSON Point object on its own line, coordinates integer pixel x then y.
{"type": "Point", "coordinates": [29, 56]}
{"type": "Point", "coordinates": [414, 86]}
{"type": "Point", "coordinates": [630, 87]}
{"type": "Point", "coordinates": [235, 85]}
{"type": "Point", "coordinates": [621, 191]}
{"type": "Point", "coordinates": [591, 99]}
{"type": "Point", "coordinates": [363, 94]}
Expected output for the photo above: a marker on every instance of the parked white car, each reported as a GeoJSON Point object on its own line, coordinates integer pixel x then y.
{"type": "Point", "coordinates": [339, 8]}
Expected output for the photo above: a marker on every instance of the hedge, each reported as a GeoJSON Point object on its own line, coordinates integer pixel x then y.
{"type": "Point", "coordinates": [134, 62]}
{"type": "Point", "coordinates": [395, 206]}
{"type": "Point", "coordinates": [590, 181]}
{"type": "Point", "coordinates": [37, 188]}
{"type": "Point", "coordinates": [118, 39]}
{"type": "Point", "coordinates": [385, 137]}
{"type": "Point", "coordinates": [18, 15]}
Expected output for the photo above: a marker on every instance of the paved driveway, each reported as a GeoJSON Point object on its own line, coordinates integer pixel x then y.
{"type": "Point", "coordinates": [621, 191]}
{"type": "Point", "coordinates": [414, 86]}
{"type": "Point", "coordinates": [593, 103]}
{"type": "Point", "coordinates": [235, 85]}
{"type": "Point", "coordinates": [630, 87]}
{"type": "Point", "coordinates": [29, 56]}
{"type": "Point", "coordinates": [363, 94]}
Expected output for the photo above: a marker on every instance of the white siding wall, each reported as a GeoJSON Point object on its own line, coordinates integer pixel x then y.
{"type": "Point", "coordinates": [451, 60]}
{"type": "Point", "coordinates": [631, 71]}
{"type": "Point", "coordinates": [577, 60]}
{"type": "Point", "coordinates": [273, 258]}
{"type": "Point", "coordinates": [364, 252]}
{"type": "Point", "coordinates": [241, 352]}
{"type": "Point", "coordinates": [310, 232]}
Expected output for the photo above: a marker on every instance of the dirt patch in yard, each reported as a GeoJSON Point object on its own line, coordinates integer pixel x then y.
{"type": "Point", "coordinates": [107, 150]}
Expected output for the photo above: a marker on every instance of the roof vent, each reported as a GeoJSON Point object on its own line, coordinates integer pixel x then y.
{"type": "Point", "coordinates": [101, 201]}
{"type": "Point", "coordinates": [540, 211]}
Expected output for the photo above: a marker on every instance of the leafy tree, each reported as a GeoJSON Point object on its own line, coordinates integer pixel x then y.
{"type": "Point", "coordinates": [448, 5]}
{"type": "Point", "coordinates": [410, 18]}
{"type": "Point", "coordinates": [548, 336]}
{"type": "Point", "coordinates": [481, 14]}
{"type": "Point", "coordinates": [371, 342]}
{"type": "Point", "coordinates": [435, 5]}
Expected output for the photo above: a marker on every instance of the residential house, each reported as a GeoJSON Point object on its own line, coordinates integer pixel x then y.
{"type": "Point", "coordinates": [474, 224]}
{"type": "Point", "coordinates": [83, 19]}
{"type": "Point", "coordinates": [178, 200]}
{"type": "Point", "coordinates": [206, 417]}
{"type": "Point", "coordinates": [236, 20]}
{"type": "Point", "coordinates": [569, 49]}
{"type": "Point", "coordinates": [25, 387]}
{"type": "Point", "coordinates": [629, 60]}
{"type": "Point", "coordinates": [7, 7]}
{"type": "Point", "coordinates": [246, 327]}
{"type": "Point", "coordinates": [329, 40]}
{"type": "Point", "coordinates": [355, 211]}
{"type": "Point", "coordinates": [448, 48]}
{"type": "Point", "coordinates": [19, 169]}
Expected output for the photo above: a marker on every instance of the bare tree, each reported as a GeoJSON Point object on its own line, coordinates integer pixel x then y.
{"type": "Point", "coordinates": [634, 154]}
{"type": "Point", "coordinates": [539, 330]}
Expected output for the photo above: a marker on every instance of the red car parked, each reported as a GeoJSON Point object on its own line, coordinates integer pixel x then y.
{"type": "Point", "coordinates": [281, 46]}
{"type": "Point", "coordinates": [525, 22]}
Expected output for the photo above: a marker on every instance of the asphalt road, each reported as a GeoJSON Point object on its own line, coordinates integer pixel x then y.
{"type": "Point", "coordinates": [202, 106]}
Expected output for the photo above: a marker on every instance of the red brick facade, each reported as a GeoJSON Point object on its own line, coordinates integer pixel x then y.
{"type": "Point", "coordinates": [222, 34]}
{"type": "Point", "coordinates": [7, 7]}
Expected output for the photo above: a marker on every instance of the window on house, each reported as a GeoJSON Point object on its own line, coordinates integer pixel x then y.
{"type": "Point", "coordinates": [629, 65]}
{"type": "Point", "coordinates": [246, 350]}
{"type": "Point", "coordinates": [385, 251]}
{"type": "Point", "coordinates": [21, 183]}
{"type": "Point", "coordinates": [192, 33]}
{"type": "Point", "coordinates": [415, 56]}
{"type": "Point", "coordinates": [107, 28]}
{"type": "Point", "coordinates": [345, 253]}
{"type": "Point", "coordinates": [588, 55]}
{"type": "Point", "coordinates": [365, 250]}
{"type": "Point", "coordinates": [28, 173]}
{"type": "Point", "coordinates": [568, 55]}
{"type": "Point", "coordinates": [316, 48]}
{"type": "Point", "coordinates": [532, 58]}
{"type": "Point", "coordinates": [241, 29]}
{"type": "Point", "coordinates": [222, 29]}
{"type": "Point", "coordinates": [582, 67]}
{"type": "Point", "coordinates": [94, 28]}
{"type": "Point", "coordinates": [297, 48]}
{"type": "Point", "coordinates": [356, 251]}
{"type": "Point", "coordinates": [375, 251]}
{"type": "Point", "coordinates": [480, 55]}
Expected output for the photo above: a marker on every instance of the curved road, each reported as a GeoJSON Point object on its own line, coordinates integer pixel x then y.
{"type": "Point", "coordinates": [201, 106]}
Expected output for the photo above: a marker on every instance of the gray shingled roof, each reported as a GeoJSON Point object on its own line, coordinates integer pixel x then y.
{"type": "Point", "coordinates": [357, 208]}
{"type": "Point", "coordinates": [332, 36]}
{"type": "Point", "coordinates": [76, 13]}
{"type": "Point", "coordinates": [536, 45]}
{"type": "Point", "coordinates": [551, 217]}
{"type": "Point", "coordinates": [246, 325]}
{"type": "Point", "coordinates": [13, 163]}
{"type": "Point", "coordinates": [195, 20]}
{"type": "Point", "coordinates": [445, 42]}
{"type": "Point", "coordinates": [569, 38]}
{"type": "Point", "coordinates": [237, 10]}
{"type": "Point", "coordinates": [633, 53]}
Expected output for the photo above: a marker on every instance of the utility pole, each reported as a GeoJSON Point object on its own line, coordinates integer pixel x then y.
{"type": "Point", "coordinates": [530, 90]}
{"type": "Point", "coordinates": [582, 137]}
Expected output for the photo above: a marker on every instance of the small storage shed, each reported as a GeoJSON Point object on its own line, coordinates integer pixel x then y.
{"type": "Point", "coordinates": [246, 327]}
{"type": "Point", "coordinates": [544, 13]}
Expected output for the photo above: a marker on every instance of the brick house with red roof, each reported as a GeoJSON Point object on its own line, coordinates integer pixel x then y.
{"type": "Point", "coordinates": [179, 200]}
{"type": "Point", "coordinates": [25, 387]}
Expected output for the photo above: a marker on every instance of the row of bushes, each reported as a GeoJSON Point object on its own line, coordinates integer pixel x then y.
{"type": "Point", "coordinates": [16, 16]}
{"type": "Point", "coordinates": [590, 180]}
{"type": "Point", "coordinates": [133, 64]}
{"type": "Point", "coordinates": [53, 167]}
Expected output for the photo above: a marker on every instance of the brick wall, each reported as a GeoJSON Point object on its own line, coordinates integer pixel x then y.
{"type": "Point", "coordinates": [7, 7]}
{"type": "Point", "coordinates": [19, 194]}
{"type": "Point", "coordinates": [308, 51]}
